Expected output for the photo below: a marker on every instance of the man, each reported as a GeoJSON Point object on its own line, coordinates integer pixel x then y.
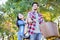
{"type": "Point", "coordinates": [34, 19]}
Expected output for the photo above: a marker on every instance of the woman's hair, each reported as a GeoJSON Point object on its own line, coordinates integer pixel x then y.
{"type": "Point", "coordinates": [17, 21]}
{"type": "Point", "coordinates": [18, 18]}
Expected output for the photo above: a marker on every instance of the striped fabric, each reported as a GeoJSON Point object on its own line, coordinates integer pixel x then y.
{"type": "Point", "coordinates": [33, 24]}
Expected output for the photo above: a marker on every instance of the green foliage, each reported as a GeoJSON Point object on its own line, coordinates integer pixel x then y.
{"type": "Point", "coordinates": [13, 7]}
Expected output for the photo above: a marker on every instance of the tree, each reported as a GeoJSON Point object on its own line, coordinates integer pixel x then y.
{"type": "Point", "coordinates": [13, 7]}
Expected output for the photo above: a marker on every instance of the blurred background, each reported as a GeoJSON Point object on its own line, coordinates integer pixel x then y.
{"type": "Point", "coordinates": [9, 9]}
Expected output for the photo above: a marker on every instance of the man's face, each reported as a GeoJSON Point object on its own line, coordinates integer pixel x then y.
{"type": "Point", "coordinates": [35, 7]}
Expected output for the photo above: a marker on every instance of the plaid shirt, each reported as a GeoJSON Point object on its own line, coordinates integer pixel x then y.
{"type": "Point", "coordinates": [33, 24]}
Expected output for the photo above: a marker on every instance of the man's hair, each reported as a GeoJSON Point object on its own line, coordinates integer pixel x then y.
{"type": "Point", "coordinates": [35, 3]}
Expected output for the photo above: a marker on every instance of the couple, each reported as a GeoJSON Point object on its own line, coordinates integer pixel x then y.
{"type": "Point", "coordinates": [34, 19]}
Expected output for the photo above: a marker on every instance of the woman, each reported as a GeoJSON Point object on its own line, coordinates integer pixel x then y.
{"type": "Point", "coordinates": [21, 26]}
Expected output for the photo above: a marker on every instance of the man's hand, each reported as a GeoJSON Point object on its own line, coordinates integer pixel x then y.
{"type": "Point", "coordinates": [29, 20]}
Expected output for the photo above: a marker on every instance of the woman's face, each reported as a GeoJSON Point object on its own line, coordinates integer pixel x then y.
{"type": "Point", "coordinates": [20, 16]}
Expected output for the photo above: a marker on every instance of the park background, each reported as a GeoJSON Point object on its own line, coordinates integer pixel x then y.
{"type": "Point", "coordinates": [9, 9]}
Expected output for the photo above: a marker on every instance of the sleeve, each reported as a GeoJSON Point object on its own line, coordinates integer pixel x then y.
{"type": "Point", "coordinates": [28, 16]}
{"type": "Point", "coordinates": [41, 19]}
{"type": "Point", "coordinates": [19, 22]}
{"type": "Point", "coordinates": [29, 20]}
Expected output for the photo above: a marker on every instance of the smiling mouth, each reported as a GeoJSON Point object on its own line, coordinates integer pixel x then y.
{"type": "Point", "coordinates": [35, 9]}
